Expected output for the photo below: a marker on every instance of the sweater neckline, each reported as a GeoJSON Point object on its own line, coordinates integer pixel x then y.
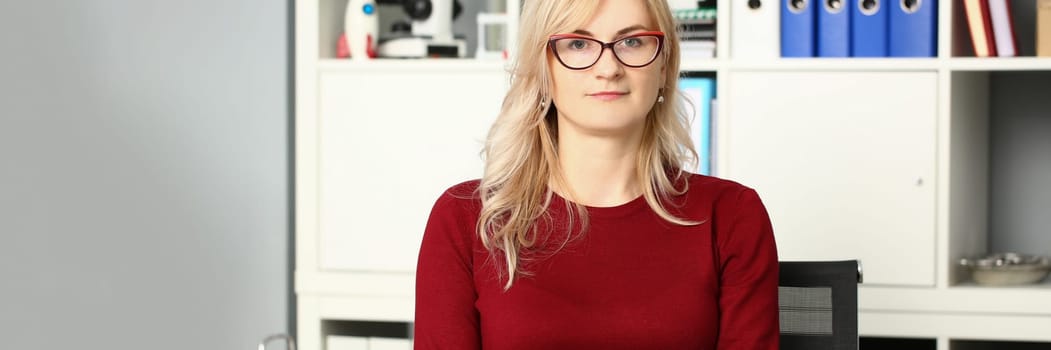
{"type": "Point", "coordinates": [619, 210]}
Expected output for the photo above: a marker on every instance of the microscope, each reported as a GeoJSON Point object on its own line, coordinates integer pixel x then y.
{"type": "Point", "coordinates": [429, 34]}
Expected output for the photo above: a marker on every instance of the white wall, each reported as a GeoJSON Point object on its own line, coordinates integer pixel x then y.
{"type": "Point", "coordinates": [144, 173]}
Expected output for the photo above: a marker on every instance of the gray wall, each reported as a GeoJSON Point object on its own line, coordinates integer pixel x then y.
{"type": "Point", "coordinates": [144, 173]}
{"type": "Point", "coordinates": [1020, 162]}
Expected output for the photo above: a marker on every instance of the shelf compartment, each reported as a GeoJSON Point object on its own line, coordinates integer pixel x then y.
{"type": "Point", "coordinates": [1020, 162]}
{"type": "Point", "coordinates": [1001, 172]}
{"type": "Point", "coordinates": [330, 19]}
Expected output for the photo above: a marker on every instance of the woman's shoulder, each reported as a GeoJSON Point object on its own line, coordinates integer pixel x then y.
{"type": "Point", "coordinates": [713, 187]}
{"type": "Point", "coordinates": [467, 189]}
{"type": "Point", "coordinates": [719, 194]}
{"type": "Point", "coordinates": [460, 197]}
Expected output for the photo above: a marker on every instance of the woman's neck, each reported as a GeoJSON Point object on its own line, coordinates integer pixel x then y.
{"type": "Point", "coordinates": [599, 171]}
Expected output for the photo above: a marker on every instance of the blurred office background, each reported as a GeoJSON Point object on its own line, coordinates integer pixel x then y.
{"type": "Point", "coordinates": [144, 174]}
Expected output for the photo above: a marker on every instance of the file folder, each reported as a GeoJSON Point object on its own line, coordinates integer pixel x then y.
{"type": "Point", "coordinates": [833, 28]}
{"type": "Point", "coordinates": [1003, 28]}
{"type": "Point", "coordinates": [868, 32]}
{"type": "Point", "coordinates": [700, 91]}
{"type": "Point", "coordinates": [754, 24]}
{"type": "Point", "coordinates": [913, 28]}
{"type": "Point", "coordinates": [797, 28]}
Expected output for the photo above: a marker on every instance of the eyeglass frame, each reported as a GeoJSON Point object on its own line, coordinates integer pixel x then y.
{"type": "Point", "coordinates": [604, 45]}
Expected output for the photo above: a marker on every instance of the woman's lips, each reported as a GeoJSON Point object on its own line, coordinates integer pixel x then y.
{"type": "Point", "coordinates": [608, 95]}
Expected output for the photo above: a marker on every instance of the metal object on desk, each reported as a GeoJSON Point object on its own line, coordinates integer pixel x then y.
{"type": "Point", "coordinates": [290, 342]}
{"type": "Point", "coordinates": [1008, 269]}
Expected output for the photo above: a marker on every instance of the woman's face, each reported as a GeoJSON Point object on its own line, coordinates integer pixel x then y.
{"type": "Point", "coordinates": [608, 98]}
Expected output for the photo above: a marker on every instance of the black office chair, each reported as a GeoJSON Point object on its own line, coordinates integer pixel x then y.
{"type": "Point", "coordinates": [818, 304]}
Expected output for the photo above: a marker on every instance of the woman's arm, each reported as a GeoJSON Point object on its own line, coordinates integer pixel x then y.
{"type": "Point", "coordinates": [749, 277]}
{"type": "Point", "coordinates": [446, 317]}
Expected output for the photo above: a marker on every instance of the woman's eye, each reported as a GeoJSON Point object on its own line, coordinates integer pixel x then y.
{"type": "Point", "coordinates": [632, 42]}
{"type": "Point", "coordinates": [578, 44]}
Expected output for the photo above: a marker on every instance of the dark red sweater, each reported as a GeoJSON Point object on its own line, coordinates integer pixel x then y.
{"type": "Point", "coordinates": [633, 281]}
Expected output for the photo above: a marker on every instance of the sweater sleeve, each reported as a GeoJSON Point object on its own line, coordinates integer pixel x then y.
{"type": "Point", "coordinates": [446, 317]}
{"type": "Point", "coordinates": [749, 277]}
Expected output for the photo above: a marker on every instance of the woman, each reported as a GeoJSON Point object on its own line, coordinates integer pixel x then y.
{"type": "Point", "coordinates": [584, 231]}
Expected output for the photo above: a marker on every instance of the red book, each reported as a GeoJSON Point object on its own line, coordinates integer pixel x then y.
{"type": "Point", "coordinates": [981, 27]}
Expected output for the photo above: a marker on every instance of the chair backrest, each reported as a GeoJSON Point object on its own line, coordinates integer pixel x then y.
{"type": "Point", "coordinates": [818, 304]}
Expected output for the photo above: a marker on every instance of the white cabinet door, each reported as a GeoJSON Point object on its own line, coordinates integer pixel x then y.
{"type": "Point", "coordinates": [845, 163]}
{"type": "Point", "coordinates": [390, 144]}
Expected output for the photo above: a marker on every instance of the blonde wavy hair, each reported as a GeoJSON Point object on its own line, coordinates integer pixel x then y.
{"type": "Point", "coordinates": [521, 154]}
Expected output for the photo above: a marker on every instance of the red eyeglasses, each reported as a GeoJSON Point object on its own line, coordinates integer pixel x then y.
{"type": "Point", "coordinates": [578, 52]}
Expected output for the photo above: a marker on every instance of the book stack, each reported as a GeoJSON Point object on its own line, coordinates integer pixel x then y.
{"type": "Point", "coordinates": [995, 32]}
{"type": "Point", "coordinates": [696, 29]}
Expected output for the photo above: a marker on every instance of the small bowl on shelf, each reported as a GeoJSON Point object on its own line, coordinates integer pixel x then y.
{"type": "Point", "coordinates": [1005, 269]}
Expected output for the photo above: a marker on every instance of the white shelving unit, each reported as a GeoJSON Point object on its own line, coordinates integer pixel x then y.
{"type": "Point", "coordinates": [879, 158]}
